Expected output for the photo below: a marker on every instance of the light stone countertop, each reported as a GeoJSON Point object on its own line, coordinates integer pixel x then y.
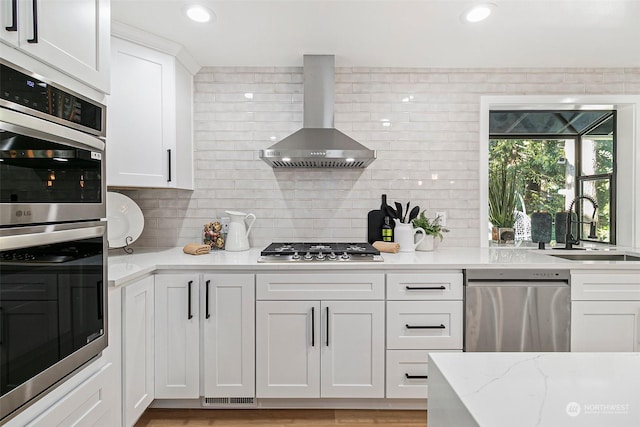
{"type": "Point", "coordinates": [124, 268]}
{"type": "Point", "coordinates": [534, 389]}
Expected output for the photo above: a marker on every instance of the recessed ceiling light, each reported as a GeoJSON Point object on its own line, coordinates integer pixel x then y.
{"type": "Point", "coordinates": [199, 13]}
{"type": "Point", "coordinates": [478, 12]}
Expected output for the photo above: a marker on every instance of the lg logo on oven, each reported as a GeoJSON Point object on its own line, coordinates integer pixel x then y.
{"type": "Point", "coordinates": [20, 214]}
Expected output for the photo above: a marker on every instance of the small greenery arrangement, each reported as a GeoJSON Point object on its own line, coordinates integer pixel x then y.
{"type": "Point", "coordinates": [502, 196]}
{"type": "Point", "coordinates": [430, 227]}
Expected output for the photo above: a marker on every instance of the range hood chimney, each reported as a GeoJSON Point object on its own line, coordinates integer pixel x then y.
{"type": "Point", "coordinates": [318, 144]}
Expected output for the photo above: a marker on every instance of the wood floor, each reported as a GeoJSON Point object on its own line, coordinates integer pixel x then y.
{"type": "Point", "coordinates": [281, 418]}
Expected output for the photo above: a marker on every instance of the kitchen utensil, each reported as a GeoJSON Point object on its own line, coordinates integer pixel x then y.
{"type": "Point", "coordinates": [391, 213]}
{"type": "Point", "coordinates": [414, 213]}
{"type": "Point", "coordinates": [406, 212]}
{"type": "Point", "coordinates": [541, 228]}
{"type": "Point", "coordinates": [375, 220]}
{"type": "Point", "coordinates": [238, 236]}
{"type": "Point", "coordinates": [404, 235]}
{"type": "Point", "coordinates": [399, 211]}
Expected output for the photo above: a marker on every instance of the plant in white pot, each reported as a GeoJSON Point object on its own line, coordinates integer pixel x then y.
{"type": "Point", "coordinates": [432, 228]}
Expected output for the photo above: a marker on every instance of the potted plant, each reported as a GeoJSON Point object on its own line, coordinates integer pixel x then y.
{"type": "Point", "coordinates": [502, 203]}
{"type": "Point", "coordinates": [432, 229]}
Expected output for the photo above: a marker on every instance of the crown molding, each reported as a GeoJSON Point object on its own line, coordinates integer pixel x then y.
{"type": "Point", "coordinates": [136, 35]}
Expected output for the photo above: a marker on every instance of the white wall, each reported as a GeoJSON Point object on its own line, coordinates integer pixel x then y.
{"type": "Point", "coordinates": [429, 155]}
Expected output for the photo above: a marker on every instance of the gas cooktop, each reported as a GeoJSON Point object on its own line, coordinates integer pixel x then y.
{"type": "Point", "coordinates": [320, 252]}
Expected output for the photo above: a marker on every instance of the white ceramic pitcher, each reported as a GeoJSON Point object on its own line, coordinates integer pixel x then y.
{"type": "Point", "coordinates": [238, 235]}
{"type": "Point", "coordinates": [403, 234]}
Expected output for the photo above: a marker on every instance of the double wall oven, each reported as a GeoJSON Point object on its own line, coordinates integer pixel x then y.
{"type": "Point", "coordinates": [53, 247]}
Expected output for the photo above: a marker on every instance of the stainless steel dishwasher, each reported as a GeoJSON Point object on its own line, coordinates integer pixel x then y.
{"type": "Point", "coordinates": [517, 310]}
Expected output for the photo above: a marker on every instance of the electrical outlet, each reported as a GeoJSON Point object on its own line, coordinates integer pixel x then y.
{"type": "Point", "coordinates": [443, 218]}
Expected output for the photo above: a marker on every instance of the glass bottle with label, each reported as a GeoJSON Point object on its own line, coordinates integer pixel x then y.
{"type": "Point", "coordinates": [387, 230]}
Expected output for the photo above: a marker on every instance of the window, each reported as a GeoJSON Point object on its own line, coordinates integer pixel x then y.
{"type": "Point", "coordinates": [558, 156]}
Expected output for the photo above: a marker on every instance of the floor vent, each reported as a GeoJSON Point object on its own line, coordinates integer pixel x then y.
{"type": "Point", "coordinates": [229, 401]}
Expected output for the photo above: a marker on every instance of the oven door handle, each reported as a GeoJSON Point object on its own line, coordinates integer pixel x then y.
{"type": "Point", "coordinates": [41, 235]}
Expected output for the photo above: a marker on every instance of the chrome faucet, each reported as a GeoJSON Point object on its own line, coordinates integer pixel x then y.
{"type": "Point", "coordinates": [569, 240]}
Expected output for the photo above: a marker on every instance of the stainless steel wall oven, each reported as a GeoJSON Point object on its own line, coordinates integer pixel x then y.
{"type": "Point", "coordinates": [53, 242]}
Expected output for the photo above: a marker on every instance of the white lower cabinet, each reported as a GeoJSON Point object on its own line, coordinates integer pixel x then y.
{"type": "Point", "coordinates": [89, 404]}
{"type": "Point", "coordinates": [605, 326]}
{"type": "Point", "coordinates": [177, 339]}
{"type": "Point", "coordinates": [205, 337]}
{"type": "Point", "coordinates": [424, 315]}
{"type": "Point", "coordinates": [312, 349]}
{"type": "Point", "coordinates": [228, 335]}
{"type": "Point", "coordinates": [137, 349]}
{"type": "Point", "coordinates": [408, 372]}
{"type": "Point", "coordinates": [605, 310]}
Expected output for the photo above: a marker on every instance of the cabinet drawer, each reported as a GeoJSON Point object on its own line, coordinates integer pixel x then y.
{"type": "Point", "coordinates": [404, 371]}
{"type": "Point", "coordinates": [612, 286]}
{"type": "Point", "coordinates": [92, 403]}
{"type": "Point", "coordinates": [424, 325]}
{"type": "Point", "coordinates": [424, 286]}
{"type": "Point", "coordinates": [348, 286]}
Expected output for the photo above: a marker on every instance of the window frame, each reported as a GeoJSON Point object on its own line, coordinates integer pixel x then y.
{"type": "Point", "coordinates": [578, 177]}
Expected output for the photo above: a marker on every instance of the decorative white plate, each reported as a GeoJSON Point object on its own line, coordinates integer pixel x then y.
{"type": "Point", "coordinates": [124, 220]}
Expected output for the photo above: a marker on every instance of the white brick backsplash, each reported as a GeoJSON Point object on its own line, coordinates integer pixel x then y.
{"type": "Point", "coordinates": [429, 155]}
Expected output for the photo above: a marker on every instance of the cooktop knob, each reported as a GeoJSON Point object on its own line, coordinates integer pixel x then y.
{"type": "Point", "coordinates": [345, 256]}
{"type": "Point", "coordinates": [320, 256]}
{"type": "Point", "coordinates": [308, 256]}
{"type": "Point", "coordinates": [332, 256]}
{"type": "Point", "coordinates": [295, 256]}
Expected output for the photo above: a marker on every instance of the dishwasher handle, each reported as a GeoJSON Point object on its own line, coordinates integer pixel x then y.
{"type": "Point", "coordinates": [516, 283]}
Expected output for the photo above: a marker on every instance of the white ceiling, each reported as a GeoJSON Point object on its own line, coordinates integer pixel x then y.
{"type": "Point", "coordinates": [398, 33]}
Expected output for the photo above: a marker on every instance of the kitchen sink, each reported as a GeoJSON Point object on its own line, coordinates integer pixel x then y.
{"type": "Point", "coordinates": [597, 257]}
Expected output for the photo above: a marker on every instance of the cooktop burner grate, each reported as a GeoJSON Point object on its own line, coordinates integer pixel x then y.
{"type": "Point", "coordinates": [313, 252]}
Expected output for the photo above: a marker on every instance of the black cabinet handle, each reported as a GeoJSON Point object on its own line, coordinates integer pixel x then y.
{"type": "Point", "coordinates": [35, 22]}
{"type": "Point", "coordinates": [441, 326]}
{"type": "Point", "coordinates": [190, 316]}
{"type": "Point", "coordinates": [14, 16]}
{"type": "Point", "coordinates": [100, 297]}
{"type": "Point", "coordinates": [416, 377]}
{"type": "Point", "coordinates": [169, 157]}
{"type": "Point", "coordinates": [327, 326]}
{"type": "Point", "coordinates": [425, 288]}
{"type": "Point", "coordinates": [206, 299]}
{"type": "Point", "coordinates": [313, 326]}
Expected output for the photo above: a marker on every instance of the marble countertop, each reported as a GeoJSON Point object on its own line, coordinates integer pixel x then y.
{"type": "Point", "coordinates": [124, 268]}
{"type": "Point", "coordinates": [534, 389]}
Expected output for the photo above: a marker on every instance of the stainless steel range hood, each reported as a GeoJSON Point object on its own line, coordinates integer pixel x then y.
{"type": "Point", "coordinates": [318, 144]}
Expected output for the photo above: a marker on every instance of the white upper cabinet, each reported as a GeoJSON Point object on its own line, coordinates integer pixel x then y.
{"type": "Point", "coordinates": [72, 36]}
{"type": "Point", "coordinates": [149, 127]}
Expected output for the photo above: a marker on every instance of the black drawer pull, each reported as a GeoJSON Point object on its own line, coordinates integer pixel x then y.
{"type": "Point", "coordinates": [441, 326]}
{"type": "Point", "coordinates": [206, 300]}
{"type": "Point", "coordinates": [425, 288]}
{"type": "Point", "coordinates": [416, 377]}
{"type": "Point", "coordinates": [327, 308]}
{"type": "Point", "coordinates": [34, 39]}
{"type": "Point", "coordinates": [189, 315]}
{"type": "Point", "coordinates": [14, 16]}
{"type": "Point", "coordinates": [313, 327]}
{"type": "Point", "coordinates": [169, 159]}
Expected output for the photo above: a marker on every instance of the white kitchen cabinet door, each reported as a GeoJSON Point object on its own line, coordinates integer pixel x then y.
{"type": "Point", "coordinates": [137, 349]}
{"type": "Point", "coordinates": [605, 326]}
{"type": "Point", "coordinates": [70, 35]}
{"type": "Point", "coordinates": [288, 349]}
{"type": "Point", "coordinates": [228, 322]}
{"type": "Point", "coordinates": [352, 349]}
{"type": "Point", "coordinates": [89, 404]}
{"type": "Point", "coordinates": [177, 342]}
{"type": "Point", "coordinates": [149, 127]}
